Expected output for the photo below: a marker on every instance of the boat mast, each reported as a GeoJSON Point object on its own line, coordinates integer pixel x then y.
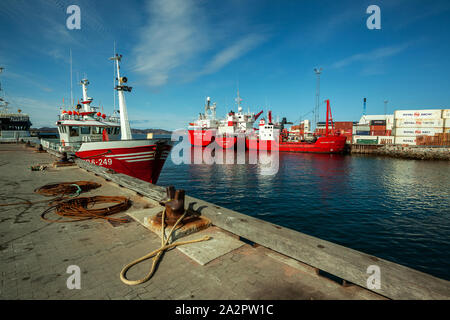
{"type": "Point", "coordinates": [86, 100]}
{"type": "Point", "coordinates": [238, 100]}
{"type": "Point", "coordinates": [71, 87]}
{"type": "Point", "coordinates": [124, 123]}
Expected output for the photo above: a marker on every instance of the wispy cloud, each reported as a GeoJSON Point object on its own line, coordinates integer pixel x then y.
{"type": "Point", "coordinates": [178, 38]}
{"type": "Point", "coordinates": [28, 79]}
{"type": "Point", "coordinates": [234, 51]}
{"type": "Point", "coordinates": [374, 55]}
{"type": "Point", "coordinates": [38, 110]}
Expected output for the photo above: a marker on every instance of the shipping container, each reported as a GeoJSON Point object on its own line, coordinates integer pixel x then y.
{"type": "Point", "coordinates": [365, 139]}
{"type": "Point", "coordinates": [446, 114]}
{"type": "Point", "coordinates": [405, 140]}
{"type": "Point", "coordinates": [418, 114]}
{"type": "Point", "coordinates": [378, 133]}
{"type": "Point", "coordinates": [389, 118]}
{"type": "Point", "coordinates": [412, 132]}
{"type": "Point", "coordinates": [378, 128]}
{"type": "Point", "coordinates": [346, 125]}
{"type": "Point", "coordinates": [378, 122]}
{"type": "Point", "coordinates": [447, 123]}
{"type": "Point", "coordinates": [386, 140]}
{"type": "Point", "coordinates": [419, 123]}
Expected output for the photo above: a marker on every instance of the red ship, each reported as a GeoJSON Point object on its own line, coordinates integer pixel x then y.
{"type": "Point", "coordinates": [203, 130]}
{"type": "Point", "coordinates": [94, 138]}
{"type": "Point", "coordinates": [269, 138]}
{"type": "Point", "coordinates": [235, 125]}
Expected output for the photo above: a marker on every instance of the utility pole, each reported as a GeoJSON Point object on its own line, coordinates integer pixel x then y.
{"type": "Point", "coordinates": [318, 71]}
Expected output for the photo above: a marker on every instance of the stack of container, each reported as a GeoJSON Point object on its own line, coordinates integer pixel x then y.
{"type": "Point", "coordinates": [344, 128]}
{"type": "Point", "coordinates": [378, 127]}
{"type": "Point", "coordinates": [409, 124]}
{"type": "Point", "coordinates": [446, 118]}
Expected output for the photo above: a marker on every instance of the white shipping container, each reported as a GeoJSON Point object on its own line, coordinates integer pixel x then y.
{"type": "Point", "coordinates": [405, 140]}
{"type": "Point", "coordinates": [446, 114]}
{"type": "Point", "coordinates": [447, 123]}
{"type": "Point", "coordinates": [355, 138]}
{"type": "Point", "coordinates": [419, 123]}
{"type": "Point", "coordinates": [418, 114]}
{"type": "Point", "coordinates": [412, 132]}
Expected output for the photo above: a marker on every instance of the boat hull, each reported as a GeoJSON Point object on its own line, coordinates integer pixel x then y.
{"type": "Point", "coordinates": [142, 159]}
{"type": "Point", "coordinates": [201, 137]}
{"type": "Point", "coordinates": [226, 142]}
{"type": "Point", "coordinates": [329, 144]}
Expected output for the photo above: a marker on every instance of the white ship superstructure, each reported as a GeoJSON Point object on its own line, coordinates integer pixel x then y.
{"type": "Point", "coordinates": [85, 124]}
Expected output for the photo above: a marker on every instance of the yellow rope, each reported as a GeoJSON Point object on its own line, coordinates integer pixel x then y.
{"type": "Point", "coordinates": [157, 253]}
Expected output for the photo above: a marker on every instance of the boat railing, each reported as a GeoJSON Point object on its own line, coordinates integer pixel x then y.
{"type": "Point", "coordinates": [66, 116]}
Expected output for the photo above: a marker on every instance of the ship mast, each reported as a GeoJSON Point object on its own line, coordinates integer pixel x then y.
{"type": "Point", "coordinates": [86, 100]}
{"type": "Point", "coordinates": [124, 123]}
{"type": "Point", "coordinates": [238, 100]}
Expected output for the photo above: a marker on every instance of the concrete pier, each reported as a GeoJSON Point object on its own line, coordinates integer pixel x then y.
{"type": "Point", "coordinates": [281, 263]}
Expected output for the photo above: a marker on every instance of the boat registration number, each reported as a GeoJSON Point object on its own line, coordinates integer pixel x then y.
{"type": "Point", "coordinates": [101, 162]}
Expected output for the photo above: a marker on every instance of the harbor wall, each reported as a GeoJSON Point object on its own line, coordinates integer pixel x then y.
{"type": "Point", "coordinates": [404, 151]}
{"type": "Point", "coordinates": [398, 282]}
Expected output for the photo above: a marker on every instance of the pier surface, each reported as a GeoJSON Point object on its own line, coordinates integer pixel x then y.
{"type": "Point", "coordinates": [35, 254]}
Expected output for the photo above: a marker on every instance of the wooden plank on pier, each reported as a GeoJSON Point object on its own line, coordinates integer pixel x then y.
{"type": "Point", "coordinates": [397, 281]}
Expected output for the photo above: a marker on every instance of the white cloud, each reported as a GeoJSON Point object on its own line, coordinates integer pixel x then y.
{"type": "Point", "coordinates": [178, 38]}
{"type": "Point", "coordinates": [234, 51]}
{"type": "Point", "coordinates": [374, 55]}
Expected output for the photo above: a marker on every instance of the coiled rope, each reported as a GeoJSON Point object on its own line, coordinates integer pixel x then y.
{"type": "Point", "coordinates": [68, 205]}
{"type": "Point", "coordinates": [156, 254]}
{"type": "Point", "coordinates": [62, 190]}
{"type": "Point", "coordinates": [65, 188]}
{"type": "Point", "coordinates": [77, 209]}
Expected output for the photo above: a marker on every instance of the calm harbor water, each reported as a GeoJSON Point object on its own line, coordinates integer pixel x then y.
{"type": "Point", "coordinates": [395, 209]}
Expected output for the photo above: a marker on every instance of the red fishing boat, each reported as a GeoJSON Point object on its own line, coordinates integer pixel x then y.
{"type": "Point", "coordinates": [270, 137]}
{"type": "Point", "coordinates": [92, 137]}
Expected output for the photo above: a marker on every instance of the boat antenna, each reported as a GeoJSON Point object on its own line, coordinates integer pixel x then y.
{"type": "Point", "coordinates": [71, 87]}
{"type": "Point", "coordinates": [114, 79]}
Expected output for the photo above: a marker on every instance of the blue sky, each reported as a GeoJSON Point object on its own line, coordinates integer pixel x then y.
{"type": "Point", "coordinates": [177, 52]}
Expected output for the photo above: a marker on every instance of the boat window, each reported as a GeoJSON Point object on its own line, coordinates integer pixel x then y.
{"type": "Point", "coordinates": [108, 130]}
{"type": "Point", "coordinates": [85, 130]}
{"type": "Point", "coordinates": [73, 131]}
{"type": "Point", "coordinates": [96, 130]}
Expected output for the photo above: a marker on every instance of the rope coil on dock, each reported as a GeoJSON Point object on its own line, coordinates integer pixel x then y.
{"type": "Point", "coordinates": [66, 188]}
{"type": "Point", "coordinates": [156, 254]}
{"type": "Point", "coordinates": [62, 190]}
{"type": "Point", "coordinates": [80, 209]}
